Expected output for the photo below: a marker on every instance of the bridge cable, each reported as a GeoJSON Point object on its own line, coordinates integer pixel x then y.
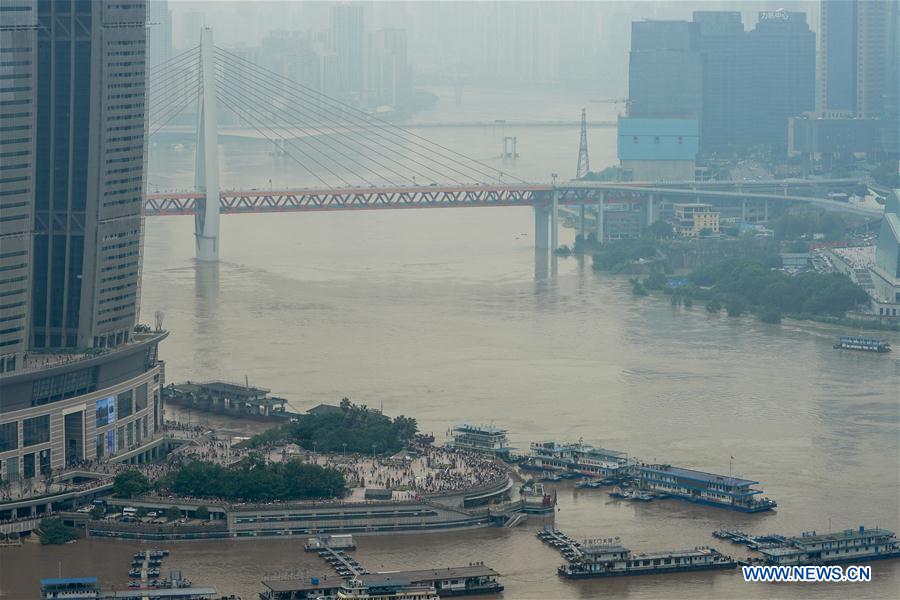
{"type": "Point", "coordinates": [240, 113]}
{"type": "Point", "coordinates": [323, 139]}
{"type": "Point", "coordinates": [178, 100]}
{"type": "Point", "coordinates": [240, 100]}
{"type": "Point", "coordinates": [174, 85]}
{"type": "Point", "coordinates": [379, 123]}
{"type": "Point", "coordinates": [350, 141]}
{"type": "Point", "coordinates": [274, 88]}
{"type": "Point", "coordinates": [169, 63]}
{"type": "Point", "coordinates": [193, 98]}
{"type": "Point", "coordinates": [343, 113]}
{"type": "Point", "coordinates": [163, 83]}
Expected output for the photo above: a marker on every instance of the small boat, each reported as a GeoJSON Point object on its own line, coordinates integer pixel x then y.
{"type": "Point", "coordinates": [852, 342]}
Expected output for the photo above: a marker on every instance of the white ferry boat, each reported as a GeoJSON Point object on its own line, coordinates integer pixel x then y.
{"type": "Point", "coordinates": [848, 545]}
{"type": "Point", "coordinates": [581, 459]}
{"type": "Point", "coordinates": [609, 558]}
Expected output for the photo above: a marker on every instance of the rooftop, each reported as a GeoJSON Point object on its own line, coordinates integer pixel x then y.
{"type": "Point", "coordinates": [290, 585]}
{"type": "Point", "coordinates": [224, 387]}
{"type": "Point", "coordinates": [384, 578]}
{"type": "Point", "coordinates": [697, 475]}
{"type": "Point", "coordinates": [847, 534]}
{"type": "Point", "coordinates": [427, 575]}
{"type": "Point", "coordinates": [57, 581]}
{"type": "Point", "coordinates": [488, 429]}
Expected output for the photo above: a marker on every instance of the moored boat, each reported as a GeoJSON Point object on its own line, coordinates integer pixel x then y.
{"type": "Point", "coordinates": [609, 558]}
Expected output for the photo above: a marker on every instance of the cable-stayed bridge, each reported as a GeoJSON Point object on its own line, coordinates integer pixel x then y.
{"type": "Point", "coordinates": [353, 160]}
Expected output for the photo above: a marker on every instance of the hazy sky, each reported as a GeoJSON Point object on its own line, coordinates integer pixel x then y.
{"type": "Point", "coordinates": [580, 42]}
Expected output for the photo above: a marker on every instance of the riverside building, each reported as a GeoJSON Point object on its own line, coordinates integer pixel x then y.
{"type": "Point", "coordinates": [76, 382]}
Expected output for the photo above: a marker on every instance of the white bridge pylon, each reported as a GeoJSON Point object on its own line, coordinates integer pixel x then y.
{"type": "Point", "coordinates": [206, 160]}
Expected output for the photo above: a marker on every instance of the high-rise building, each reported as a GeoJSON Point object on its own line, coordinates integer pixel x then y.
{"type": "Point", "coordinates": [837, 55]}
{"type": "Point", "coordinates": [82, 384]}
{"type": "Point", "coordinates": [89, 177]}
{"type": "Point", "coordinates": [775, 94]}
{"type": "Point", "coordinates": [159, 38]}
{"type": "Point", "coordinates": [720, 44]}
{"type": "Point", "coordinates": [347, 42]}
{"type": "Point", "coordinates": [389, 72]}
{"type": "Point", "coordinates": [17, 105]}
{"type": "Point", "coordinates": [665, 70]}
{"type": "Point", "coordinates": [872, 56]}
{"type": "Point", "coordinates": [713, 71]}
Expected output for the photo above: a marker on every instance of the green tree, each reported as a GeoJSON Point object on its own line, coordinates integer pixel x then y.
{"type": "Point", "coordinates": [96, 513]}
{"type": "Point", "coordinates": [141, 512]}
{"type": "Point", "coordinates": [131, 483]}
{"type": "Point", "coordinates": [661, 230]}
{"type": "Point", "coordinates": [54, 531]}
{"type": "Point", "coordinates": [173, 513]}
{"type": "Point", "coordinates": [202, 513]}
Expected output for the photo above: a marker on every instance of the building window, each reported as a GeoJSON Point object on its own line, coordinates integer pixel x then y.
{"type": "Point", "coordinates": [9, 436]}
{"type": "Point", "coordinates": [101, 438]}
{"type": "Point", "coordinates": [122, 438]}
{"type": "Point", "coordinates": [45, 461]}
{"type": "Point", "coordinates": [12, 469]}
{"type": "Point", "coordinates": [125, 405]}
{"type": "Point", "coordinates": [140, 397]}
{"type": "Point", "coordinates": [36, 430]}
{"type": "Point", "coordinates": [28, 465]}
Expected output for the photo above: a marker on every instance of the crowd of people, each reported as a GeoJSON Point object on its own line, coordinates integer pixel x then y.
{"type": "Point", "coordinates": [427, 470]}
{"type": "Point", "coordinates": [430, 470]}
{"type": "Point", "coordinates": [858, 257]}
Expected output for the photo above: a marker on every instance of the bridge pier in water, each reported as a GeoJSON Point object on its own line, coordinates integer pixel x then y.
{"type": "Point", "coordinates": [541, 227]}
{"type": "Point", "coordinates": [554, 221]}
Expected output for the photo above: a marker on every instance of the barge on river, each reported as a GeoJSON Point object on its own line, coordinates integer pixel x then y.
{"type": "Point", "coordinates": [843, 546]}
{"type": "Point", "coordinates": [723, 491]}
{"type": "Point", "coordinates": [451, 581]}
{"type": "Point", "coordinates": [852, 342]}
{"type": "Point", "coordinates": [609, 558]}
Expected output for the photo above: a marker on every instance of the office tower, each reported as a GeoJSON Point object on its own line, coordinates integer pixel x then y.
{"type": "Point", "coordinates": [89, 175]}
{"type": "Point", "coordinates": [389, 78]}
{"type": "Point", "coordinates": [347, 41]}
{"type": "Point", "coordinates": [159, 39]}
{"type": "Point", "coordinates": [665, 71]}
{"type": "Point", "coordinates": [17, 103]}
{"type": "Point", "coordinates": [872, 56]}
{"type": "Point", "coordinates": [720, 44]}
{"type": "Point", "coordinates": [837, 55]}
{"type": "Point", "coordinates": [84, 384]}
{"type": "Point", "coordinates": [192, 23]}
{"type": "Point", "coordinates": [780, 55]}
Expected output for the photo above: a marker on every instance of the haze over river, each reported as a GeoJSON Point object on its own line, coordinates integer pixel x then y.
{"type": "Point", "coordinates": [445, 315]}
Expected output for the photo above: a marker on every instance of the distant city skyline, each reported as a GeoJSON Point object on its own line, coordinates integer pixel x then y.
{"type": "Point", "coordinates": [492, 42]}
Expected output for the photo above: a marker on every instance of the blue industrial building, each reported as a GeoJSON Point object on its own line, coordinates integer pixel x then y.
{"type": "Point", "coordinates": [658, 149]}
